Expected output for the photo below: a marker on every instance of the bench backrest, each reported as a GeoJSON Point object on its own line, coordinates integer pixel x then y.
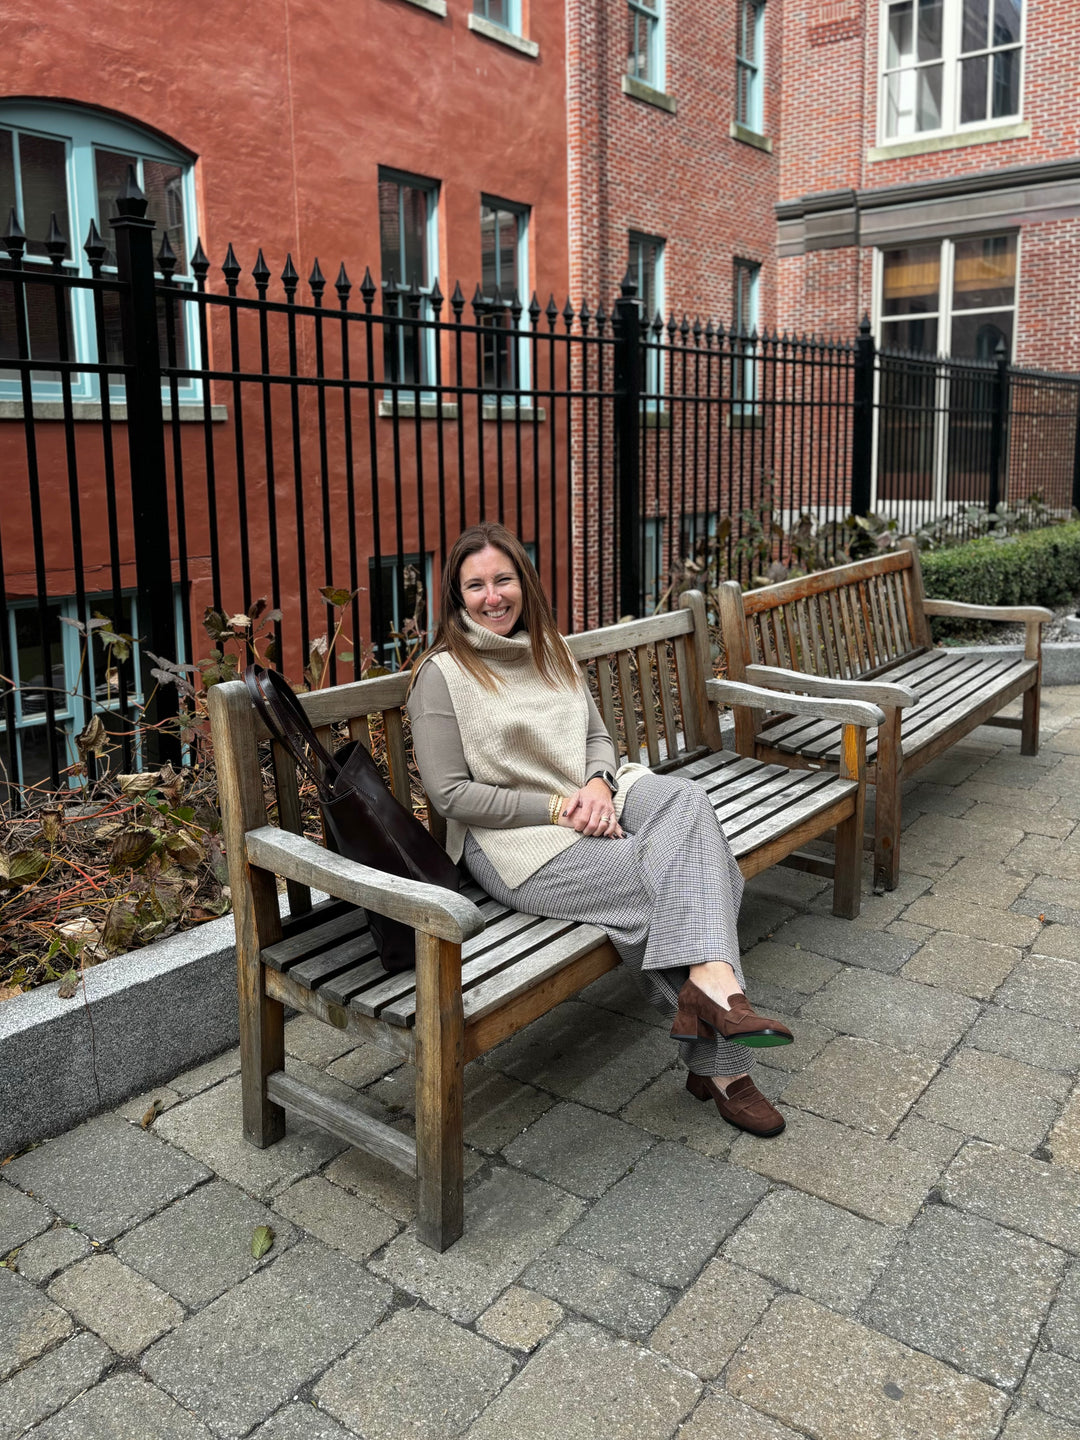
{"type": "Point", "coordinates": [648, 678]}
{"type": "Point", "coordinates": [848, 622]}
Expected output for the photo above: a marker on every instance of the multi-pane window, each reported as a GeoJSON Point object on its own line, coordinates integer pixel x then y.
{"type": "Point", "coordinates": [749, 52]}
{"type": "Point", "coordinates": [645, 58]}
{"type": "Point", "coordinates": [82, 677]}
{"type": "Point", "coordinates": [402, 616]}
{"type": "Point", "coordinates": [407, 218]}
{"type": "Point", "coordinates": [506, 13]}
{"type": "Point", "coordinates": [746, 284]}
{"type": "Point", "coordinates": [952, 297]}
{"type": "Point", "coordinates": [646, 263]}
{"type": "Point", "coordinates": [950, 63]}
{"type": "Point", "coordinates": [63, 161]}
{"type": "Point", "coordinates": [504, 267]}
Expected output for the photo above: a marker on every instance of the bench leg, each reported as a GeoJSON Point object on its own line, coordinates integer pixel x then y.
{"type": "Point", "coordinates": [887, 805]}
{"type": "Point", "coordinates": [847, 856]}
{"type": "Point", "coordinates": [440, 1067]}
{"type": "Point", "coordinates": [262, 1051]}
{"type": "Point", "coordinates": [1029, 725]}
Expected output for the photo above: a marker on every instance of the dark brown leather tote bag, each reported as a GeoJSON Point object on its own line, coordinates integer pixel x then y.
{"type": "Point", "coordinates": [364, 821]}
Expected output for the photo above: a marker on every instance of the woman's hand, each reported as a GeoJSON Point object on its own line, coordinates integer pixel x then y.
{"type": "Point", "coordinates": [591, 811]}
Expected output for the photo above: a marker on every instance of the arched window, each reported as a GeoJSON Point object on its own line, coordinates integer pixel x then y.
{"type": "Point", "coordinates": [71, 161]}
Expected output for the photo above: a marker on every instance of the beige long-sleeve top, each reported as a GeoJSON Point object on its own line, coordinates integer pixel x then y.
{"type": "Point", "coordinates": [490, 759]}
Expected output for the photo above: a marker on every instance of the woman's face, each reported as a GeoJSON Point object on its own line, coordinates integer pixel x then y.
{"type": "Point", "coordinates": [491, 589]}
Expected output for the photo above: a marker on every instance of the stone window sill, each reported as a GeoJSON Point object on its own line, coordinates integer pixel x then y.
{"type": "Point", "coordinates": [638, 90]}
{"type": "Point", "coordinates": [746, 136]}
{"type": "Point", "coordinates": [433, 7]}
{"type": "Point", "coordinates": [502, 36]}
{"type": "Point", "coordinates": [653, 419]}
{"type": "Point", "coordinates": [932, 144]}
{"type": "Point", "coordinates": [745, 420]}
{"type": "Point", "coordinates": [429, 410]}
{"type": "Point", "coordinates": [90, 410]}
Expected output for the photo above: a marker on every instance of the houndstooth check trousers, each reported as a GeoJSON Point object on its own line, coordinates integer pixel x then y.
{"type": "Point", "coordinates": [668, 895]}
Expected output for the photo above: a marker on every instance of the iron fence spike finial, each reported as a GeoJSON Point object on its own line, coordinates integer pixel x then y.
{"type": "Point", "coordinates": [368, 287]}
{"type": "Point", "coordinates": [166, 258]}
{"type": "Point", "coordinates": [697, 329]}
{"type": "Point", "coordinates": [534, 308]}
{"type": "Point", "coordinates": [601, 317]}
{"type": "Point", "coordinates": [497, 297]}
{"type": "Point", "coordinates": [657, 323]}
{"type": "Point", "coordinates": [15, 231]}
{"type": "Point", "coordinates": [343, 285]}
{"type": "Point", "coordinates": [435, 298]}
{"type": "Point", "coordinates": [1001, 350]}
{"type": "Point", "coordinates": [629, 284]}
{"type": "Point", "coordinates": [864, 324]}
{"type": "Point", "coordinates": [515, 306]}
{"type": "Point", "coordinates": [551, 310]}
{"type": "Point", "coordinates": [720, 332]}
{"type": "Point", "coordinates": [261, 273]}
{"type": "Point", "coordinates": [316, 282]}
{"type": "Point", "coordinates": [55, 242]}
{"type": "Point", "coordinates": [94, 248]}
{"type": "Point", "coordinates": [289, 278]}
{"type": "Point", "coordinates": [457, 301]}
{"type": "Point", "coordinates": [568, 313]}
{"type": "Point", "coordinates": [230, 268]}
{"type": "Point", "coordinates": [200, 263]}
{"type": "Point", "coordinates": [478, 300]}
{"type": "Point", "coordinates": [684, 328]}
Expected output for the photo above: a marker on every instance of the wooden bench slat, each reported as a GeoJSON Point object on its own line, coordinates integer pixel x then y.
{"type": "Point", "coordinates": [792, 815]}
{"type": "Point", "coordinates": [667, 714]}
{"type": "Point", "coordinates": [736, 819]}
{"type": "Point", "coordinates": [495, 992]}
{"type": "Point", "coordinates": [295, 945]}
{"type": "Point", "coordinates": [342, 988]}
{"type": "Point", "coordinates": [648, 711]}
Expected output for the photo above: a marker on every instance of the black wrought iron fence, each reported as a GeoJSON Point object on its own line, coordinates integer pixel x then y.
{"type": "Point", "coordinates": [289, 462]}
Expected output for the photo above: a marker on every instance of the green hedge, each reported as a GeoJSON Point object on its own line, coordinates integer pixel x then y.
{"type": "Point", "coordinates": [1040, 567]}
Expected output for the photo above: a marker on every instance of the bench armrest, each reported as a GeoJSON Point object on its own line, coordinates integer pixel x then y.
{"type": "Point", "coordinates": [846, 712]}
{"type": "Point", "coordinates": [429, 908]}
{"type": "Point", "coordinates": [872, 692]}
{"type": "Point", "coordinates": [961, 610]}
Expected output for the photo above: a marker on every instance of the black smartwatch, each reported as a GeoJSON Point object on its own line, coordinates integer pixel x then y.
{"type": "Point", "coordinates": [608, 778]}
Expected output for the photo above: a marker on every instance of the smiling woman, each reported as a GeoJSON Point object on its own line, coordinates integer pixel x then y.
{"type": "Point", "coordinates": [516, 757]}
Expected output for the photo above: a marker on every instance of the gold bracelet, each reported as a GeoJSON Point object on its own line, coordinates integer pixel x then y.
{"type": "Point", "coordinates": [554, 806]}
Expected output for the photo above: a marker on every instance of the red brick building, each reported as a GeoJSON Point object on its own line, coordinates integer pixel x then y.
{"type": "Point", "coordinates": [425, 139]}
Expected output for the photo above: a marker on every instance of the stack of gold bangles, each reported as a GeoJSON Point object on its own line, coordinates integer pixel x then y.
{"type": "Point", "coordinates": [555, 804]}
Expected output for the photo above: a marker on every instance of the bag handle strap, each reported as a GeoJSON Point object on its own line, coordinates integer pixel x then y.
{"type": "Point", "coordinates": [284, 717]}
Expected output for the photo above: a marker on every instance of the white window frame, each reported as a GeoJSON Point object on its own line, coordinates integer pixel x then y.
{"type": "Point", "coordinates": [75, 700]}
{"type": "Point", "coordinates": [388, 650]}
{"type": "Point", "coordinates": [951, 94]}
{"type": "Point", "coordinates": [425, 382]}
{"type": "Point", "coordinates": [82, 132]}
{"type": "Point", "coordinates": [652, 15]}
{"type": "Point", "coordinates": [523, 372]}
{"type": "Point", "coordinates": [512, 23]}
{"type": "Point", "coordinates": [745, 401]}
{"type": "Point", "coordinates": [925, 508]}
{"type": "Point", "coordinates": [753, 65]}
{"type": "Point", "coordinates": [653, 399]}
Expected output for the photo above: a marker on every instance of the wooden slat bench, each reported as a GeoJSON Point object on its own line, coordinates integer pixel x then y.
{"type": "Point", "coordinates": [863, 630]}
{"type": "Point", "coordinates": [482, 972]}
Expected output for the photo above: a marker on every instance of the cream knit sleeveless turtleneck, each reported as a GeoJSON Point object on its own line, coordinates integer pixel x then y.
{"type": "Point", "coordinates": [525, 735]}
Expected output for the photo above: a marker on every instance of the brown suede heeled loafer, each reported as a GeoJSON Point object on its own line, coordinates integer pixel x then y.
{"type": "Point", "coordinates": [743, 1106]}
{"type": "Point", "coordinates": [698, 1014]}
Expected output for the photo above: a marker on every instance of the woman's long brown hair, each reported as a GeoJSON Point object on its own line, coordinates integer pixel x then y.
{"type": "Point", "coordinates": [550, 655]}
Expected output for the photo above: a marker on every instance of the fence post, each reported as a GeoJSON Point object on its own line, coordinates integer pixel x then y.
{"type": "Point", "coordinates": [1076, 455]}
{"type": "Point", "coordinates": [133, 238]}
{"type": "Point", "coordinates": [862, 422]}
{"type": "Point", "coordinates": [998, 426]}
{"type": "Point", "coordinates": [627, 445]}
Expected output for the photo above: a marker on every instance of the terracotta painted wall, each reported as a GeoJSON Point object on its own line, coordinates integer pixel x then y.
{"type": "Point", "coordinates": [290, 109]}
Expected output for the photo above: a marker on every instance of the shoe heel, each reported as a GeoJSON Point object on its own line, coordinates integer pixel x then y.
{"type": "Point", "coordinates": [698, 1086]}
{"type": "Point", "coordinates": [687, 1023]}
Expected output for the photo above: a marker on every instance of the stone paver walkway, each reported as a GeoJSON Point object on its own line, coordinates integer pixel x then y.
{"type": "Point", "coordinates": [901, 1264]}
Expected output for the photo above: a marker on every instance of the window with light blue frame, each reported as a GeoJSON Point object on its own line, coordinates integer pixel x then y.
{"type": "Point", "coordinates": [696, 530]}
{"type": "Point", "coordinates": [406, 611]}
{"type": "Point", "coordinates": [749, 58]}
{"type": "Point", "coordinates": [746, 286]}
{"type": "Point", "coordinates": [504, 273]}
{"type": "Point", "coordinates": [63, 160]}
{"type": "Point", "coordinates": [645, 49]}
{"type": "Point", "coordinates": [506, 13]}
{"type": "Point", "coordinates": [646, 265]}
{"type": "Point", "coordinates": [409, 247]}
{"type": "Point", "coordinates": [652, 562]}
{"type": "Point", "coordinates": [84, 679]}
